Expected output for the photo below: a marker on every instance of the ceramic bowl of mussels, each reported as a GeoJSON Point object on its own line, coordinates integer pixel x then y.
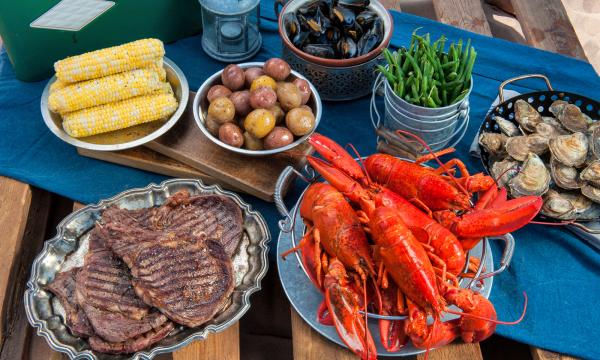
{"type": "Point", "coordinates": [336, 43]}
{"type": "Point", "coordinates": [546, 143]}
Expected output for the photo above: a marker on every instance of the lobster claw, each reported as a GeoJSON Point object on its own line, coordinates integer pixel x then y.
{"type": "Point", "coordinates": [392, 334]}
{"type": "Point", "coordinates": [336, 155]}
{"type": "Point", "coordinates": [343, 305]}
{"type": "Point", "coordinates": [473, 330]}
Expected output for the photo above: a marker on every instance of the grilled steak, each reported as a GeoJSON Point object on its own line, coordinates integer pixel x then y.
{"type": "Point", "coordinates": [182, 215]}
{"type": "Point", "coordinates": [104, 291]}
{"type": "Point", "coordinates": [188, 281]}
{"type": "Point", "coordinates": [63, 286]}
{"type": "Point", "coordinates": [132, 345]}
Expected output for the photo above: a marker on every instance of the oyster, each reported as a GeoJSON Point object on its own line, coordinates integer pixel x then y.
{"type": "Point", "coordinates": [493, 142]}
{"type": "Point", "coordinates": [519, 146]}
{"type": "Point", "coordinates": [557, 125]}
{"type": "Point", "coordinates": [565, 176]}
{"type": "Point", "coordinates": [557, 206]}
{"type": "Point", "coordinates": [570, 150]}
{"type": "Point", "coordinates": [595, 142]}
{"type": "Point", "coordinates": [591, 192]}
{"type": "Point", "coordinates": [570, 116]}
{"type": "Point", "coordinates": [507, 127]}
{"type": "Point", "coordinates": [546, 130]}
{"type": "Point", "coordinates": [533, 179]}
{"type": "Point", "coordinates": [592, 173]}
{"type": "Point", "coordinates": [526, 115]}
{"type": "Point", "coordinates": [504, 170]}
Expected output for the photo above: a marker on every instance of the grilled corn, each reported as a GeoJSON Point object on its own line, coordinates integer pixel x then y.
{"type": "Point", "coordinates": [103, 90]}
{"type": "Point", "coordinates": [119, 115]}
{"type": "Point", "coordinates": [112, 60]}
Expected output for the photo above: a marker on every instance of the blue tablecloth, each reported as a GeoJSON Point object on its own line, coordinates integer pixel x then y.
{"type": "Point", "coordinates": [559, 272]}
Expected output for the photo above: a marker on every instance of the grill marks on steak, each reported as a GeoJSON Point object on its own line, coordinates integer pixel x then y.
{"type": "Point", "coordinates": [132, 345]}
{"type": "Point", "coordinates": [188, 281]}
{"type": "Point", "coordinates": [63, 286]}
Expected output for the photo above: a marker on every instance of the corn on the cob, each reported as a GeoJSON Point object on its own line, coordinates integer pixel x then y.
{"type": "Point", "coordinates": [104, 90]}
{"type": "Point", "coordinates": [57, 85]}
{"type": "Point", "coordinates": [160, 69]}
{"type": "Point", "coordinates": [112, 60]}
{"type": "Point", "coordinates": [120, 115]}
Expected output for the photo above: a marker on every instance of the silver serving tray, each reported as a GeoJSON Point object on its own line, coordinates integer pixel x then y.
{"type": "Point", "coordinates": [201, 109]}
{"type": "Point", "coordinates": [305, 298]}
{"type": "Point", "coordinates": [180, 88]}
{"type": "Point", "coordinates": [68, 247]}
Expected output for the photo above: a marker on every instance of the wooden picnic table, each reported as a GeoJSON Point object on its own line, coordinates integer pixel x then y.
{"type": "Point", "coordinates": [29, 215]}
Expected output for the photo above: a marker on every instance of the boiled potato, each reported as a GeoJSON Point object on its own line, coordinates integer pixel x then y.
{"type": "Point", "coordinates": [221, 110]}
{"type": "Point", "coordinates": [277, 69]}
{"type": "Point", "coordinates": [289, 96]}
{"type": "Point", "coordinates": [233, 77]}
{"type": "Point", "coordinates": [300, 121]}
{"type": "Point", "coordinates": [262, 98]}
{"type": "Point", "coordinates": [278, 112]}
{"type": "Point", "coordinates": [259, 123]}
{"type": "Point", "coordinates": [212, 125]}
{"type": "Point", "coordinates": [231, 134]}
{"type": "Point", "coordinates": [263, 80]}
{"type": "Point", "coordinates": [304, 88]}
{"type": "Point", "coordinates": [252, 143]}
{"type": "Point", "coordinates": [241, 102]}
{"type": "Point", "coordinates": [252, 74]}
{"type": "Point", "coordinates": [217, 91]}
{"type": "Point", "coordinates": [278, 137]}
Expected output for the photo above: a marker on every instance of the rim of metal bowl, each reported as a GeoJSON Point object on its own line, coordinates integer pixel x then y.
{"type": "Point", "coordinates": [60, 133]}
{"type": "Point", "coordinates": [41, 325]}
{"type": "Point", "coordinates": [200, 118]}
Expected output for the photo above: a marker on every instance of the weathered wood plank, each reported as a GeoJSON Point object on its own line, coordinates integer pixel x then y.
{"type": "Point", "coordinates": [541, 354]}
{"type": "Point", "coordinates": [391, 4]}
{"type": "Point", "coordinates": [465, 14]}
{"type": "Point", "coordinates": [454, 351]}
{"type": "Point", "coordinates": [504, 5]}
{"type": "Point", "coordinates": [546, 26]}
{"type": "Point", "coordinates": [224, 345]}
{"type": "Point", "coordinates": [310, 345]}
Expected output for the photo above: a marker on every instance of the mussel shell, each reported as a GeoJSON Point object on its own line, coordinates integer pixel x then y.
{"type": "Point", "coordinates": [503, 171]}
{"type": "Point", "coordinates": [320, 50]}
{"type": "Point", "coordinates": [591, 172]}
{"type": "Point", "coordinates": [533, 179]}
{"type": "Point", "coordinates": [507, 127]}
{"type": "Point", "coordinates": [292, 25]}
{"type": "Point", "coordinates": [344, 16]}
{"type": "Point", "coordinates": [565, 176]}
{"type": "Point", "coordinates": [356, 5]}
{"type": "Point", "coordinates": [366, 18]}
{"type": "Point", "coordinates": [557, 206]}
{"type": "Point", "coordinates": [570, 116]}
{"type": "Point", "coordinates": [493, 142]}
{"type": "Point", "coordinates": [591, 192]}
{"type": "Point", "coordinates": [526, 115]}
{"type": "Point", "coordinates": [518, 147]}
{"type": "Point", "coordinates": [347, 48]}
{"type": "Point", "coordinates": [571, 149]}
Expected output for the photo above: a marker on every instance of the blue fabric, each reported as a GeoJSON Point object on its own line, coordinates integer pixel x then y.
{"type": "Point", "coordinates": [558, 271]}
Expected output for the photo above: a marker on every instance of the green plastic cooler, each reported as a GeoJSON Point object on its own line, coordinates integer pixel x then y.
{"type": "Point", "coordinates": [33, 51]}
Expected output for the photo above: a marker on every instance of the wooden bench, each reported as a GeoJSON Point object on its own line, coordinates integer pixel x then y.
{"type": "Point", "coordinates": [24, 214]}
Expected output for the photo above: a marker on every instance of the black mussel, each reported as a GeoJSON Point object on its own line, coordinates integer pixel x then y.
{"type": "Point", "coordinates": [356, 5]}
{"type": "Point", "coordinates": [333, 34]}
{"type": "Point", "coordinates": [368, 42]}
{"type": "Point", "coordinates": [355, 32]}
{"type": "Point", "coordinates": [366, 18]}
{"type": "Point", "coordinates": [344, 16]}
{"type": "Point", "coordinates": [326, 6]}
{"type": "Point", "coordinates": [377, 27]}
{"type": "Point", "coordinates": [292, 26]}
{"type": "Point", "coordinates": [319, 50]}
{"type": "Point", "coordinates": [300, 39]}
{"type": "Point", "coordinates": [314, 26]}
{"type": "Point", "coordinates": [346, 48]}
{"type": "Point", "coordinates": [309, 9]}
{"type": "Point", "coordinates": [323, 19]}
{"type": "Point", "coordinates": [319, 39]}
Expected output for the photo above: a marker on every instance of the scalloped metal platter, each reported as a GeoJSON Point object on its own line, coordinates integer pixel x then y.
{"type": "Point", "coordinates": [69, 246]}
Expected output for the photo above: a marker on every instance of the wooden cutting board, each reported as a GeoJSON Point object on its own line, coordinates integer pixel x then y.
{"type": "Point", "coordinates": [185, 151]}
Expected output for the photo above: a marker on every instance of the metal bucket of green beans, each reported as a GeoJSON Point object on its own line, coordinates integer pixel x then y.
{"type": "Point", "coordinates": [427, 89]}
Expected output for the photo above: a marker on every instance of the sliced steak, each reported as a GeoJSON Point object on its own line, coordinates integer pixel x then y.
{"type": "Point", "coordinates": [63, 286]}
{"type": "Point", "coordinates": [132, 345]}
{"type": "Point", "coordinates": [188, 281]}
{"type": "Point", "coordinates": [105, 292]}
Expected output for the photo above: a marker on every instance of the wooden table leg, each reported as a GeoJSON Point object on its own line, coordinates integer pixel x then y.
{"type": "Point", "coordinates": [465, 14]}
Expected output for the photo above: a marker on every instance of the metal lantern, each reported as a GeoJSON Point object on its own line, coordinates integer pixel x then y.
{"type": "Point", "coordinates": [230, 29]}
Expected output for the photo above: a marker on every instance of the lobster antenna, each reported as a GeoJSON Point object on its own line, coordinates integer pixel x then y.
{"type": "Point", "coordinates": [495, 321]}
{"type": "Point", "coordinates": [435, 157]}
{"type": "Point", "coordinates": [362, 165]}
{"type": "Point", "coordinates": [366, 313]}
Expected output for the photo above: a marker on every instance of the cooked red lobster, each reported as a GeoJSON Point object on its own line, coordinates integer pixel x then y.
{"type": "Point", "coordinates": [392, 239]}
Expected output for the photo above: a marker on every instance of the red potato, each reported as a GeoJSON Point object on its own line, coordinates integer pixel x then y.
{"type": "Point", "coordinates": [241, 101]}
{"type": "Point", "coordinates": [304, 88]}
{"type": "Point", "coordinates": [289, 96]}
{"type": "Point", "coordinates": [233, 77]}
{"type": "Point", "coordinates": [278, 112]}
{"type": "Point", "coordinates": [278, 137]}
{"type": "Point", "coordinates": [222, 110]}
{"type": "Point", "coordinates": [263, 97]}
{"type": "Point", "coordinates": [212, 125]}
{"type": "Point", "coordinates": [252, 74]}
{"type": "Point", "coordinates": [217, 91]}
{"type": "Point", "coordinates": [277, 69]}
{"type": "Point", "coordinates": [231, 134]}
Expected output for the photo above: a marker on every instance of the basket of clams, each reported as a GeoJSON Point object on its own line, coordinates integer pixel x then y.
{"type": "Point", "coordinates": [546, 143]}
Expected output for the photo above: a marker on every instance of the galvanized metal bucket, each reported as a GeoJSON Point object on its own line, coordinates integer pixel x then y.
{"type": "Point", "coordinates": [438, 127]}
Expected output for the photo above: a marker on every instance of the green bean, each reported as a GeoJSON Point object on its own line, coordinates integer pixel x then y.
{"type": "Point", "coordinates": [414, 64]}
{"type": "Point", "coordinates": [389, 76]}
{"type": "Point", "coordinates": [430, 103]}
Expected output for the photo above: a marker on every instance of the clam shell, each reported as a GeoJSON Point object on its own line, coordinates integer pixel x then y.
{"type": "Point", "coordinates": [501, 171]}
{"type": "Point", "coordinates": [526, 115]}
{"type": "Point", "coordinates": [519, 146]}
{"type": "Point", "coordinates": [591, 192]}
{"type": "Point", "coordinates": [507, 127]}
{"type": "Point", "coordinates": [570, 150]}
{"type": "Point", "coordinates": [570, 116]}
{"type": "Point", "coordinates": [533, 179]}
{"type": "Point", "coordinates": [565, 176]}
{"type": "Point", "coordinates": [493, 142]}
